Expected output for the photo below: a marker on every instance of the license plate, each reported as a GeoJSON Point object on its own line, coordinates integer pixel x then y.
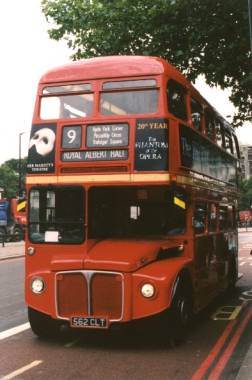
{"type": "Point", "coordinates": [89, 322]}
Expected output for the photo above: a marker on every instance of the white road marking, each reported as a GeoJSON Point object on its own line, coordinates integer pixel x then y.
{"type": "Point", "coordinates": [13, 331]}
{"type": "Point", "coordinates": [21, 370]}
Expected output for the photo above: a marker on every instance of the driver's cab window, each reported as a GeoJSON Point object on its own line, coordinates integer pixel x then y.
{"type": "Point", "coordinates": [199, 217]}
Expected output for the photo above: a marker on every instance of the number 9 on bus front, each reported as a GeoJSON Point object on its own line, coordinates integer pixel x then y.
{"type": "Point", "coordinates": [71, 137]}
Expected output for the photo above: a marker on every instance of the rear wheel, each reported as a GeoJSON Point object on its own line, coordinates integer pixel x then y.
{"type": "Point", "coordinates": [43, 325]}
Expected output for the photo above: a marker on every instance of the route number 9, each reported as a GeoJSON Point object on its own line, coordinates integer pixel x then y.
{"type": "Point", "coordinates": [71, 134]}
{"type": "Point", "coordinates": [71, 137]}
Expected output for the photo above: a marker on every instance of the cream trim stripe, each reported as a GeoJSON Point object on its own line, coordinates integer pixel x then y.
{"type": "Point", "coordinates": [90, 178]}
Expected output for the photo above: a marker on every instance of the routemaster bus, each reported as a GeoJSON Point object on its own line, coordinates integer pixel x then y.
{"type": "Point", "coordinates": [132, 197]}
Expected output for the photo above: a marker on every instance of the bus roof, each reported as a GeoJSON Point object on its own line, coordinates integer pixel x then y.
{"type": "Point", "coordinates": [110, 67]}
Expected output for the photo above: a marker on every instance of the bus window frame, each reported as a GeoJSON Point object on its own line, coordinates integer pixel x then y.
{"type": "Point", "coordinates": [228, 135]}
{"type": "Point", "coordinates": [184, 91]}
{"type": "Point", "coordinates": [125, 90]}
{"type": "Point", "coordinates": [209, 120]}
{"type": "Point", "coordinates": [204, 228]}
{"type": "Point", "coordinates": [201, 113]}
{"type": "Point", "coordinates": [55, 189]}
{"type": "Point", "coordinates": [219, 127]}
{"type": "Point", "coordinates": [61, 94]}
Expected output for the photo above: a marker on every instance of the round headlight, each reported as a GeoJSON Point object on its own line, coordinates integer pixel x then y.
{"type": "Point", "coordinates": [37, 285]}
{"type": "Point", "coordinates": [147, 290]}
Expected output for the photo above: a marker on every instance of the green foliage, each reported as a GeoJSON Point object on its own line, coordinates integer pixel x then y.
{"type": "Point", "coordinates": [246, 194]}
{"type": "Point", "coordinates": [9, 177]}
{"type": "Point", "coordinates": [209, 37]}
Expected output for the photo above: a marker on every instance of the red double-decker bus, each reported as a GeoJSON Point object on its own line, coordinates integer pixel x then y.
{"type": "Point", "coordinates": [132, 197]}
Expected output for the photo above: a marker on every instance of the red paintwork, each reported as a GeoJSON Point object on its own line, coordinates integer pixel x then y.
{"type": "Point", "coordinates": [122, 255]}
{"type": "Point", "coordinates": [109, 67]}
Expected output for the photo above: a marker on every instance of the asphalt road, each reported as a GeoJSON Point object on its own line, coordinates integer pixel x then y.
{"type": "Point", "coordinates": [12, 307]}
{"type": "Point", "coordinates": [214, 348]}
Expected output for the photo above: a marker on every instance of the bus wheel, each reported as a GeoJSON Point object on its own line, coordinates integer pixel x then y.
{"type": "Point", "coordinates": [181, 312]}
{"type": "Point", "coordinates": [43, 325]}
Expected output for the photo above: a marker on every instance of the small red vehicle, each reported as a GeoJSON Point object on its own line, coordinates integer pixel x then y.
{"type": "Point", "coordinates": [132, 197]}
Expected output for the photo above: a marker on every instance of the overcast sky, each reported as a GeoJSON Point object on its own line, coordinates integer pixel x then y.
{"type": "Point", "coordinates": [26, 53]}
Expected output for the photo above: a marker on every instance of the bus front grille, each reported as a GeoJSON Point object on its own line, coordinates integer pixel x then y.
{"type": "Point", "coordinates": [89, 293]}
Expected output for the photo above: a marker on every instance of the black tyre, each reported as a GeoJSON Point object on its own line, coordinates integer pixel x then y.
{"type": "Point", "coordinates": [181, 311]}
{"type": "Point", "coordinates": [43, 325]}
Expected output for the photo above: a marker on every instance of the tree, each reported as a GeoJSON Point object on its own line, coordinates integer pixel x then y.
{"type": "Point", "coordinates": [245, 201]}
{"type": "Point", "coordinates": [9, 174]}
{"type": "Point", "coordinates": [209, 37]}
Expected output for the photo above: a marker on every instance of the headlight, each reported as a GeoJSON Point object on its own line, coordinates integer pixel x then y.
{"type": "Point", "coordinates": [147, 290]}
{"type": "Point", "coordinates": [37, 285]}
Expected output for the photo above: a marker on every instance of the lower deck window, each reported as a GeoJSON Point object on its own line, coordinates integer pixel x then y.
{"type": "Point", "coordinates": [56, 215]}
{"type": "Point", "coordinates": [130, 212]}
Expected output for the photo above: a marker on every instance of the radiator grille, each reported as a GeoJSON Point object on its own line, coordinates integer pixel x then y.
{"type": "Point", "coordinates": [72, 295]}
{"type": "Point", "coordinates": [107, 295]}
{"type": "Point", "coordinates": [89, 293]}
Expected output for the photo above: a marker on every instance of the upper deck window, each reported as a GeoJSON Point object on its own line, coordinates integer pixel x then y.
{"type": "Point", "coordinates": [129, 102]}
{"type": "Point", "coordinates": [66, 106]}
{"type": "Point", "coordinates": [177, 99]}
{"type": "Point", "coordinates": [228, 142]}
{"type": "Point", "coordinates": [68, 101]}
{"type": "Point", "coordinates": [236, 146]}
{"type": "Point", "coordinates": [196, 114]}
{"type": "Point", "coordinates": [129, 83]}
{"type": "Point", "coordinates": [67, 89]}
{"type": "Point", "coordinates": [209, 125]}
{"type": "Point", "coordinates": [219, 133]}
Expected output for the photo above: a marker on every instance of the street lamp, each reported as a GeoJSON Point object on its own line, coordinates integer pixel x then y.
{"type": "Point", "coordinates": [19, 166]}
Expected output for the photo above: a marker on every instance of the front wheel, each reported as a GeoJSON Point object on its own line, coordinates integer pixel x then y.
{"type": "Point", "coordinates": [42, 324]}
{"type": "Point", "coordinates": [181, 311]}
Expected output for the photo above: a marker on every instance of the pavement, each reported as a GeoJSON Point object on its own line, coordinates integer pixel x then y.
{"type": "Point", "coordinates": [14, 250]}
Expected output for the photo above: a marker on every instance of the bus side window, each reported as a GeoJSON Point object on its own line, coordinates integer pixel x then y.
{"type": "Point", "coordinates": [209, 125]}
{"type": "Point", "coordinates": [223, 218]}
{"type": "Point", "coordinates": [228, 142]}
{"type": "Point", "coordinates": [177, 99]}
{"type": "Point", "coordinates": [218, 133]}
{"type": "Point", "coordinates": [212, 217]}
{"type": "Point", "coordinates": [196, 114]}
{"type": "Point", "coordinates": [199, 218]}
{"type": "Point", "coordinates": [236, 146]}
